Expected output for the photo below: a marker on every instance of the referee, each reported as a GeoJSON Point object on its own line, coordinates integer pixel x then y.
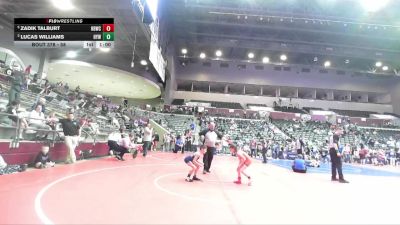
{"type": "Point", "coordinates": [210, 138]}
{"type": "Point", "coordinates": [336, 158]}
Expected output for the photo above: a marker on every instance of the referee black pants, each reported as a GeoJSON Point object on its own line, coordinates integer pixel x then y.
{"type": "Point", "coordinates": [208, 158]}
{"type": "Point", "coordinates": [336, 163]}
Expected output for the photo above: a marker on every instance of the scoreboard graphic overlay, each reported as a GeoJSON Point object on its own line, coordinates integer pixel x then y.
{"type": "Point", "coordinates": [64, 32]}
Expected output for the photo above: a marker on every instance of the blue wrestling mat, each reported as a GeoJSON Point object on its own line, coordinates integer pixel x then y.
{"type": "Point", "coordinates": [347, 169]}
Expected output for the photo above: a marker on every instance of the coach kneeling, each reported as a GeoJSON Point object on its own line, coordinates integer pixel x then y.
{"type": "Point", "coordinates": [299, 165]}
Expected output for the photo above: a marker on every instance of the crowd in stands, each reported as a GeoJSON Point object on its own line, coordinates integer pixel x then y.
{"type": "Point", "coordinates": [127, 127]}
{"type": "Point", "coordinates": [310, 139]}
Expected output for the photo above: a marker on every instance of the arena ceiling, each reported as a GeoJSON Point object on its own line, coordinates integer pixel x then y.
{"type": "Point", "coordinates": [347, 33]}
{"type": "Point", "coordinates": [102, 80]}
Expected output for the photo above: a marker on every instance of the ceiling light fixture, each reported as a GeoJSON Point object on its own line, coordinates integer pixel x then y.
{"type": "Point", "coordinates": [143, 62]}
{"type": "Point", "coordinates": [71, 54]}
{"type": "Point", "coordinates": [184, 51]}
{"type": "Point", "coordinates": [63, 4]}
{"type": "Point", "coordinates": [378, 64]}
{"type": "Point", "coordinates": [265, 60]}
{"type": "Point", "coordinates": [218, 53]}
{"type": "Point", "coordinates": [283, 57]}
{"type": "Point", "coordinates": [347, 61]}
{"type": "Point", "coordinates": [251, 55]}
{"type": "Point", "coordinates": [385, 68]}
{"type": "Point", "coordinates": [327, 64]}
{"type": "Point", "coordinates": [202, 55]}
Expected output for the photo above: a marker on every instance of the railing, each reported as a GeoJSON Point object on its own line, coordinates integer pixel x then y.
{"type": "Point", "coordinates": [55, 133]}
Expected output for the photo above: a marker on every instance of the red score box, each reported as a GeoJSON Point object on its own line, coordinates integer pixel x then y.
{"type": "Point", "coordinates": [108, 27]}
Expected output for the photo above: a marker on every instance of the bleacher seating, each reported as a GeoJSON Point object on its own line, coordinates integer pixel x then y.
{"type": "Point", "coordinates": [178, 102]}
{"type": "Point", "coordinates": [259, 105]}
{"type": "Point", "coordinates": [223, 105]}
{"type": "Point", "coordinates": [173, 122]}
{"type": "Point", "coordinates": [353, 113]}
{"type": "Point", "coordinates": [226, 105]}
{"type": "Point", "coordinates": [245, 129]}
{"type": "Point", "coordinates": [313, 131]}
{"type": "Point", "coordinates": [28, 99]}
{"type": "Point", "coordinates": [308, 109]}
{"type": "Point", "coordinates": [288, 109]}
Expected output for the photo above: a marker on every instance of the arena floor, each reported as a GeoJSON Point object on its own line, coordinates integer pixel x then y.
{"type": "Point", "coordinates": [152, 190]}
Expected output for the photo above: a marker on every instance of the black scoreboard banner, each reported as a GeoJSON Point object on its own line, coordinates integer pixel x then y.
{"type": "Point", "coordinates": [66, 30]}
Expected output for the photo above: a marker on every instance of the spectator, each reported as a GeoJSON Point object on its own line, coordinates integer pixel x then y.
{"type": "Point", "coordinates": [148, 133]}
{"type": "Point", "coordinates": [392, 157]}
{"type": "Point", "coordinates": [16, 85]}
{"type": "Point", "coordinates": [363, 154]}
{"type": "Point", "coordinates": [37, 120]}
{"type": "Point", "coordinates": [52, 120]}
{"type": "Point", "coordinates": [167, 140]}
{"type": "Point", "coordinates": [40, 101]}
{"type": "Point", "coordinates": [253, 147]}
{"type": "Point", "coordinates": [8, 169]}
{"type": "Point", "coordinates": [188, 140]}
{"type": "Point", "coordinates": [35, 78]}
{"type": "Point", "coordinates": [179, 144]}
{"type": "Point", "coordinates": [43, 159]}
{"type": "Point", "coordinates": [195, 143]}
{"type": "Point", "coordinates": [347, 153]}
{"type": "Point", "coordinates": [28, 70]}
{"type": "Point", "coordinates": [156, 139]}
{"type": "Point", "coordinates": [264, 148]}
{"type": "Point", "coordinates": [15, 115]}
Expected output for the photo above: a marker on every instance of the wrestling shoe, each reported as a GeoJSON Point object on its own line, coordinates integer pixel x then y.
{"type": "Point", "coordinates": [196, 179]}
{"type": "Point", "coordinates": [343, 181]}
{"type": "Point", "coordinates": [237, 182]}
{"type": "Point", "coordinates": [188, 179]}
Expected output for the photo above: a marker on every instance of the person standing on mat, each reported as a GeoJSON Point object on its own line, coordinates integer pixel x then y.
{"type": "Point", "coordinates": [336, 157]}
{"type": "Point", "coordinates": [210, 138]}
{"type": "Point", "coordinates": [72, 132]}
{"type": "Point", "coordinates": [147, 138]}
